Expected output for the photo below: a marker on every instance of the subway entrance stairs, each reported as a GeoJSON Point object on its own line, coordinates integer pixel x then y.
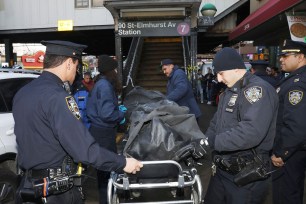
{"type": "Point", "coordinates": [149, 74]}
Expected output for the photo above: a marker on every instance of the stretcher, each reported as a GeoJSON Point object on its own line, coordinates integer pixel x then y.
{"type": "Point", "coordinates": [158, 182]}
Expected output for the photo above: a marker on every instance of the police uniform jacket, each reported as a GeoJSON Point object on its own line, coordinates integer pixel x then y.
{"type": "Point", "coordinates": [291, 128]}
{"type": "Point", "coordinates": [180, 91]}
{"type": "Point", "coordinates": [102, 105]}
{"type": "Point", "coordinates": [267, 78]}
{"type": "Point", "coordinates": [246, 117]}
{"type": "Point", "coordinates": [48, 127]}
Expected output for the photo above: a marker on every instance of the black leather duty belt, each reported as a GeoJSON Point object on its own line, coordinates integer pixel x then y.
{"type": "Point", "coordinates": [42, 173]}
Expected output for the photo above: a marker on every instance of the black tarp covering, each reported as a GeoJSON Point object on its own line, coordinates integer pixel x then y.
{"type": "Point", "coordinates": [158, 127]}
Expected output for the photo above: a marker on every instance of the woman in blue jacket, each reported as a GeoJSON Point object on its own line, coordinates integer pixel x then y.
{"type": "Point", "coordinates": [104, 113]}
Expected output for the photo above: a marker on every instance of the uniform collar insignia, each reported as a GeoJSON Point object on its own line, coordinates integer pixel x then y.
{"type": "Point", "coordinates": [296, 80]}
{"type": "Point", "coordinates": [73, 107]}
{"type": "Point", "coordinates": [295, 96]}
{"type": "Point", "coordinates": [253, 94]}
{"type": "Point", "coordinates": [278, 89]}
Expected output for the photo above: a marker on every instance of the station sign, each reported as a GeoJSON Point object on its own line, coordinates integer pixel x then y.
{"type": "Point", "coordinates": [153, 28]}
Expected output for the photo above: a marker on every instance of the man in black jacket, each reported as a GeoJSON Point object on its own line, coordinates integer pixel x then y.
{"type": "Point", "coordinates": [290, 143]}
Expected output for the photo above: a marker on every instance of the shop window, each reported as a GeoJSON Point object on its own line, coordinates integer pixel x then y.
{"type": "Point", "coordinates": [81, 3]}
{"type": "Point", "coordinates": [97, 3]}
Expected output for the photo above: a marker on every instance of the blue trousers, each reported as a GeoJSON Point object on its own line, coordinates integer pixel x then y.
{"type": "Point", "coordinates": [105, 137]}
{"type": "Point", "coordinates": [288, 181]}
{"type": "Point", "coordinates": [223, 190]}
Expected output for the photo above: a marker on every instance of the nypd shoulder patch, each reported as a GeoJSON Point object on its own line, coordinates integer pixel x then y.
{"type": "Point", "coordinates": [253, 94]}
{"type": "Point", "coordinates": [295, 96]}
{"type": "Point", "coordinates": [73, 107]}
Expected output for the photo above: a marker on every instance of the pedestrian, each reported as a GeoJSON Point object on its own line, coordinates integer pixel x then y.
{"type": "Point", "coordinates": [50, 136]}
{"type": "Point", "coordinates": [199, 86]}
{"type": "Point", "coordinates": [208, 80]}
{"type": "Point", "coordinates": [179, 89]}
{"type": "Point", "coordinates": [104, 113]}
{"type": "Point", "coordinates": [259, 68]}
{"type": "Point", "coordinates": [87, 81]}
{"type": "Point", "coordinates": [289, 151]}
{"type": "Point", "coordinates": [241, 134]}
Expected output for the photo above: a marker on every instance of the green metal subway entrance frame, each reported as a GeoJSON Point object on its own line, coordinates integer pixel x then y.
{"type": "Point", "coordinates": [147, 18]}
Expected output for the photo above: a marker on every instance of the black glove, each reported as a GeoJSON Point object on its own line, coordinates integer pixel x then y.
{"type": "Point", "coordinates": [201, 148]}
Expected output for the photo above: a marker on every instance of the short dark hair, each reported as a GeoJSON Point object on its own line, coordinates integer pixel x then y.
{"type": "Point", "coordinates": [51, 61]}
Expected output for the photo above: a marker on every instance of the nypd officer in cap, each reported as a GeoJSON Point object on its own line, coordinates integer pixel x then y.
{"type": "Point", "coordinates": [241, 133]}
{"type": "Point", "coordinates": [289, 151]}
{"type": "Point", "coordinates": [259, 69]}
{"type": "Point", "coordinates": [50, 134]}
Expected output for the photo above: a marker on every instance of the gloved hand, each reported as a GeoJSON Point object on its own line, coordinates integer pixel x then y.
{"type": "Point", "coordinates": [122, 121]}
{"type": "Point", "coordinates": [122, 108]}
{"type": "Point", "coordinates": [201, 148]}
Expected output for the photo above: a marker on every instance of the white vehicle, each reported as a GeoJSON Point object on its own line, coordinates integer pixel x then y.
{"type": "Point", "coordinates": [10, 82]}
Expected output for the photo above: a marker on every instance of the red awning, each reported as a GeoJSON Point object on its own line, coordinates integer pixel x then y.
{"type": "Point", "coordinates": [263, 14]}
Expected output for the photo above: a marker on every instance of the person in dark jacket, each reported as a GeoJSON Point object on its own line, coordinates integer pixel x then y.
{"type": "Point", "coordinates": [104, 113]}
{"type": "Point", "coordinates": [259, 69]}
{"type": "Point", "coordinates": [48, 129]}
{"type": "Point", "coordinates": [289, 151]}
{"type": "Point", "coordinates": [179, 88]}
{"type": "Point", "coordinates": [241, 131]}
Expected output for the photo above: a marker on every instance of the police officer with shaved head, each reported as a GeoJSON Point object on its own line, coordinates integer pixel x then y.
{"type": "Point", "coordinates": [51, 137]}
{"type": "Point", "coordinates": [241, 134]}
{"type": "Point", "coordinates": [289, 152]}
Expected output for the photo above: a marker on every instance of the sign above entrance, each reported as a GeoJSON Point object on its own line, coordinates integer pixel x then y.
{"type": "Point", "coordinates": [153, 28]}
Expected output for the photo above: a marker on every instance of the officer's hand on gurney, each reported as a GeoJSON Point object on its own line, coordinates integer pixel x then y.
{"type": "Point", "coordinates": [201, 148]}
{"type": "Point", "coordinates": [132, 165]}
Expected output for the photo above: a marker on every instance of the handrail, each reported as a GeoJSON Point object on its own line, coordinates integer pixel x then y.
{"type": "Point", "coordinates": [132, 61]}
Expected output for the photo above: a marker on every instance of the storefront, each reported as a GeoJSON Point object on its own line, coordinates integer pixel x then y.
{"type": "Point", "coordinates": [268, 27]}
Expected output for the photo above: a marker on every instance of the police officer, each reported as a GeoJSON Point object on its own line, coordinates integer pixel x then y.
{"type": "Point", "coordinates": [290, 143]}
{"type": "Point", "coordinates": [49, 130]}
{"type": "Point", "coordinates": [259, 69]}
{"type": "Point", "coordinates": [241, 132]}
{"type": "Point", "coordinates": [179, 88]}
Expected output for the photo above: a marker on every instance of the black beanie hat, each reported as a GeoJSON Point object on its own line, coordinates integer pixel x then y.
{"type": "Point", "coordinates": [106, 63]}
{"type": "Point", "coordinates": [227, 59]}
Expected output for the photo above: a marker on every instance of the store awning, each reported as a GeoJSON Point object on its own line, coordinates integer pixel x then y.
{"type": "Point", "coordinates": [260, 16]}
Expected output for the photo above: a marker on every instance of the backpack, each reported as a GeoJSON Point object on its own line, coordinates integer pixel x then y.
{"type": "Point", "coordinates": [81, 97]}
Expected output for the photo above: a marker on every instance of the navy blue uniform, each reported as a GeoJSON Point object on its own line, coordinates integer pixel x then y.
{"type": "Point", "coordinates": [180, 91]}
{"type": "Point", "coordinates": [55, 129]}
{"type": "Point", "coordinates": [267, 78]}
{"type": "Point", "coordinates": [245, 119]}
{"type": "Point", "coordinates": [288, 181]}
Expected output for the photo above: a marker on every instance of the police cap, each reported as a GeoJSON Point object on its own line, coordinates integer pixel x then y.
{"type": "Point", "coordinates": [226, 59]}
{"type": "Point", "coordinates": [290, 46]}
{"type": "Point", "coordinates": [259, 64]}
{"type": "Point", "coordinates": [63, 48]}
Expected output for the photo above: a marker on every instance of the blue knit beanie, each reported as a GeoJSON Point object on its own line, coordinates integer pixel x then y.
{"type": "Point", "coordinates": [227, 59]}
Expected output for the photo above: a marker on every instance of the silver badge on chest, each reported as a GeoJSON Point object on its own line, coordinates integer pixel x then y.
{"type": "Point", "coordinates": [232, 100]}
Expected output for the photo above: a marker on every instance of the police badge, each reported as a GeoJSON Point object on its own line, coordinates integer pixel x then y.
{"type": "Point", "coordinates": [73, 107]}
{"type": "Point", "coordinates": [295, 96]}
{"type": "Point", "coordinates": [253, 94]}
{"type": "Point", "coordinates": [232, 100]}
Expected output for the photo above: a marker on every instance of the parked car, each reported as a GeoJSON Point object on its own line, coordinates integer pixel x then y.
{"type": "Point", "coordinates": [10, 83]}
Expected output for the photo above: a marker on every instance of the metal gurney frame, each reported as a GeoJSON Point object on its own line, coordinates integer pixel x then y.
{"type": "Point", "coordinates": [154, 175]}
